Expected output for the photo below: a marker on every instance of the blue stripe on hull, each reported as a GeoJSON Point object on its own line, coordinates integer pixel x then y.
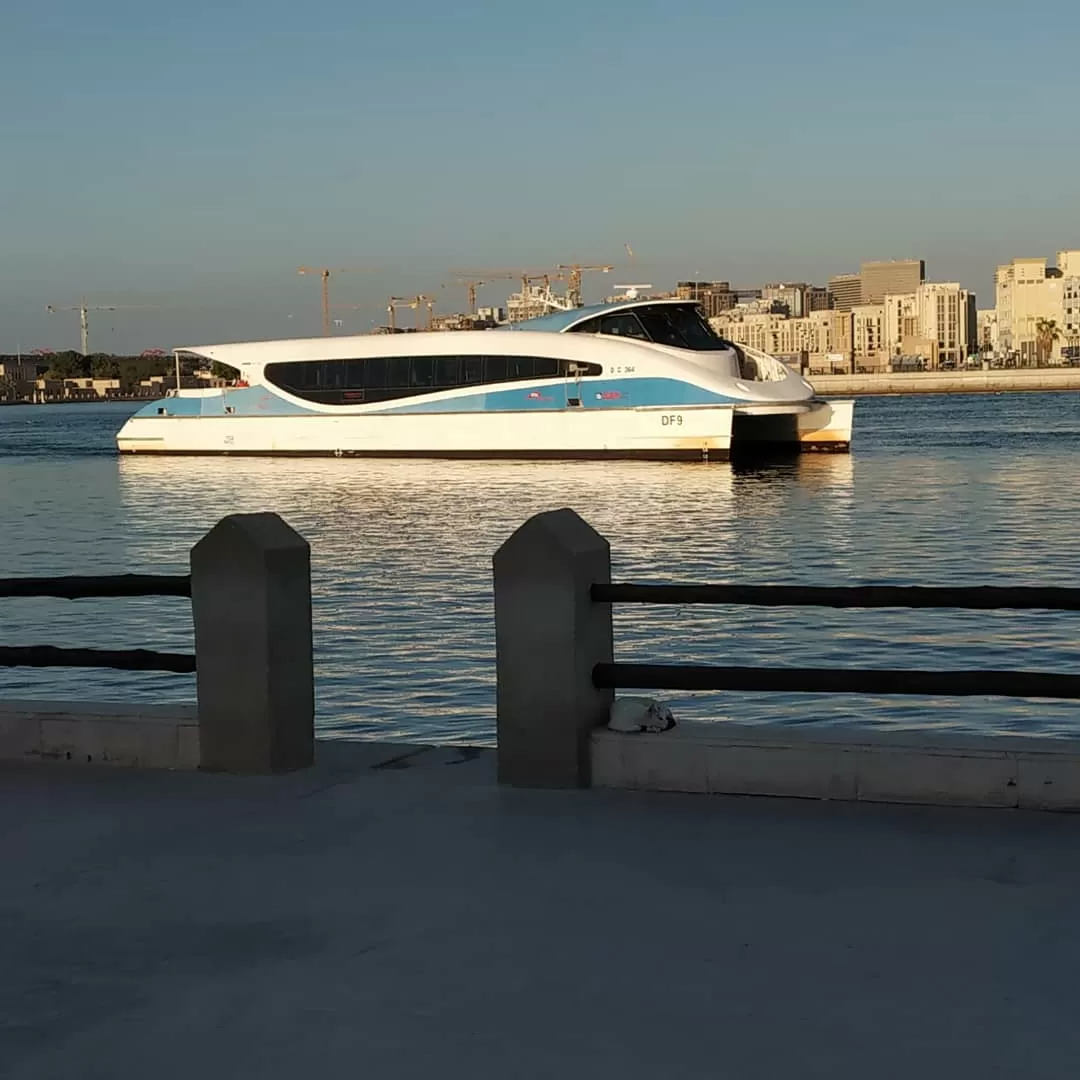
{"type": "Point", "coordinates": [595, 394]}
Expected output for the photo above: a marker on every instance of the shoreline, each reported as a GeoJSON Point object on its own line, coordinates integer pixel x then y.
{"type": "Point", "coordinates": [1022, 380]}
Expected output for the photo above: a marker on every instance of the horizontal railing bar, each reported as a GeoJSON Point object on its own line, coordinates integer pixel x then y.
{"type": "Point", "coordinates": [975, 598]}
{"type": "Point", "coordinates": [46, 656]}
{"type": "Point", "coordinates": [837, 681]}
{"type": "Point", "coordinates": [85, 588]}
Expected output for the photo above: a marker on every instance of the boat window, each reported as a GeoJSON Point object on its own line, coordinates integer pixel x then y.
{"type": "Point", "coordinates": [385, 378]}
{"type": "Point", "coordinates": [589, 326]}
{"type": "Point", "coordinates": [373, 375]}
{"type": "Point", "coordinates": [422, 371]}
{"type": "Point", "coordinates": [495, 368]}
{"type": "Point", "coordinates": [624, 324]}
{"type": "Point", "coordinates": [397, 371]}
{"type": "Point", "coordinates": [448, 371]}
{"type": "Point", "coordinates": [681, 326]}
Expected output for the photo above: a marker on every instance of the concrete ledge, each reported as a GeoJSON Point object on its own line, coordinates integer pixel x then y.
{"type": "Point", "coordinates": [146, 736]}
{"type": "Point", "coordinates": [844, 763]}
{"type": "Point", "coordinates": [949, 382]}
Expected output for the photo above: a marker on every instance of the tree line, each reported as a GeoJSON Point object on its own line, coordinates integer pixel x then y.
{"type": "Point", "coordinates": [130, 370]}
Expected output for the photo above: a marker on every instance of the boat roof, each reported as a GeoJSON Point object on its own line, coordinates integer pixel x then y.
{"type": "Point", "coordinates": [558, 321]}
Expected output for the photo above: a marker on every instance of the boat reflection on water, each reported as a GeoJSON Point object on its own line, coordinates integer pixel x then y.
{"type": "Point", "coordinates": [401, 558]}
{"type": "Point", "coordinates": [401, 565]}
{"type": "Point", "coordinates": [428, 511]}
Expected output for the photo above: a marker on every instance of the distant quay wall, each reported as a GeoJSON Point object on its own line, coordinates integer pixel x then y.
{"type": "Point", "coordinates": [949, 382]}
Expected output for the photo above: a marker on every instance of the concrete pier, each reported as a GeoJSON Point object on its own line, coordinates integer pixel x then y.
{"type": "Point", "coordinates": [394, 913]}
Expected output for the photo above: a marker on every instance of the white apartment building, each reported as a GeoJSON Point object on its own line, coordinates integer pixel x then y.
{"type": "Point", "coordinates": [947, 317]}
{"type": "Point", "coordinates": [937, 322]}
{"type": "Point", "coordinates": [1027, 291]}
{"type": "Point", "coordinates": [868, 336]}
{"type": "Point", "coordinates": [824, 336]}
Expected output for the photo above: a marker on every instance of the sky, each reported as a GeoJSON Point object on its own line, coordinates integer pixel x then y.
{"type": "Point", "coordinates": [180, 161]}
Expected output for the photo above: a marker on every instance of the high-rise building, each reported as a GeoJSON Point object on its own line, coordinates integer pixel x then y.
{"type": "Point", "coordinates": [896, 277]}
{"type": "Point", "coordinates": [845, 290]}
{"type": "Point", "coordinates": [817, 298]}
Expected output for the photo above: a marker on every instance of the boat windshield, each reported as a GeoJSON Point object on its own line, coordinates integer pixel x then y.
{"type": "Point", "coordinates": [679, 325]}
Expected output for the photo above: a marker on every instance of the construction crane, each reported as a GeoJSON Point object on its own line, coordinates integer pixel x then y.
{"type": "Point", "coordinates": [324, 273]}
{"type": "Point", "coordinates": [84, 325]}
{"type": "Point", "coordinates": [84, 322]}
{"type": "Point", "coordinates": [573, 289]}
{"type": "Point", "coordinates": [526, 277]}
{"type": "Point", "coordinates": [472, 284]}
{"type": "Point", "coordinates": [414, 302]}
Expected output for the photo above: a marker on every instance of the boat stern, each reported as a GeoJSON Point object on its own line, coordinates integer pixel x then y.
{"type": "Point", "coordinates": [827, 427]}
{"type": "Point", "coordinates": [814, 426]}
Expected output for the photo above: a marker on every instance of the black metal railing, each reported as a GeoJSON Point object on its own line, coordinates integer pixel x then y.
{"type": "Point", "coordinates": [86, 588]}
{"type": "Point", "coordinates": [840, 680]}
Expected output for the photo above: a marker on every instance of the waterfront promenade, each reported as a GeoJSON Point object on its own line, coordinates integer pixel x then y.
{"type": "Point", "coordinates": [991, 381]}
{"type": "Point", "coordinates": [393, 913]}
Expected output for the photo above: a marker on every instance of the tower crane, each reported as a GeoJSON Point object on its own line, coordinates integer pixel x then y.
{"type": "Point", "coordinates": [526, 277]}
{"type": "Point", "coordinates": [414, 302]}
{"type": "Point", "coordinates": [324, 273]}
{"type": "Point", "coordinates": [473, 283]}
{"type": "Point", "coordinates": [573, 289]}
{"type": "Point", "coordinates": [84, 323]}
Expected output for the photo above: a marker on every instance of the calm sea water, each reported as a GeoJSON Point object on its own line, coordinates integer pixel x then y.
{"type": "Point", "coordinates": [939, 490]}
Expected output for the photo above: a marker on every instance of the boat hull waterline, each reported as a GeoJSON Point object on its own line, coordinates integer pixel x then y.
{"type": "Point", "coordinates": [692, 433]}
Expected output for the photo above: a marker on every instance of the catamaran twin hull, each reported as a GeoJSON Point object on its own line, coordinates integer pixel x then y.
{"type": "Point", "coordinates": [647, 380]}
{"type": "Point", "coordinates": [688, 433]}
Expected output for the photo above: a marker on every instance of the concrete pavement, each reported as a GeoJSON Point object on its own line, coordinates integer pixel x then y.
{"type": "Point", "coordinates": [392, 913]}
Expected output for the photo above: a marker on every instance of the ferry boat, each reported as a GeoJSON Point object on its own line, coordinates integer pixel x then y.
{"type": "Point", "coordinates": [643, 379]}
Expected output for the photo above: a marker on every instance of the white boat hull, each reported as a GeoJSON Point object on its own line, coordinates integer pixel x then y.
{"type": "Point", "coordinates": [698, 433]}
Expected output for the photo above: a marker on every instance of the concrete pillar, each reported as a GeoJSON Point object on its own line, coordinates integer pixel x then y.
{"type": "Point", "coordinates": [549, 635]}
{"type": "Point", "coordinates": [251, 597]}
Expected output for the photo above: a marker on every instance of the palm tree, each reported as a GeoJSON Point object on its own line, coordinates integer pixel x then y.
{"type": "Point", "coordinates": [1046, 333]}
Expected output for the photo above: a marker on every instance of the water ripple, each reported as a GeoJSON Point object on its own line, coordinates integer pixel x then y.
{"type": "Point", "coordinates": [939, 490]}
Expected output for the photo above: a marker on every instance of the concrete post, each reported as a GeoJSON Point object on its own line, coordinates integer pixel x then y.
{"type": "Point", "coordinates": [251, 598]}
{"type": "Point", "coordinates": [549, 635]}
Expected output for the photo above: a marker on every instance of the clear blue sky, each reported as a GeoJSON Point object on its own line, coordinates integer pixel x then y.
{"type": "Point", "coordinates": [185, 158]}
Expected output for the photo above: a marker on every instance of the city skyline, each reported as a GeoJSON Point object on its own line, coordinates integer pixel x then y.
{"type": "Point", "coordinates": [193, 158]}
{"type": "Point", "coordinates": [105, 320]}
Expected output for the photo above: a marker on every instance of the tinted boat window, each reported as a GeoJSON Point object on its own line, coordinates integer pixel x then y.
{"type": "Point", "coordinates": [683, 327]}
{"type": "Point", "coordinates": [397, 371]}
{"type": "Point", "coordinates": [625, 324]}
{"type": "Point", "coordinates": [354, 382]}
{"type": "Point", "coordinates": [373, 373]}
{"type": "Point", "coordinates": [448, 371]}
{"type": "Point", "coordinates": [589, 326]}
{"type": "Point", "coordinates": [422, 371]}
{"type": "Point", "coordinates": [494, 369]}
{"type": "Point", "coordinates": [680, 325]}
